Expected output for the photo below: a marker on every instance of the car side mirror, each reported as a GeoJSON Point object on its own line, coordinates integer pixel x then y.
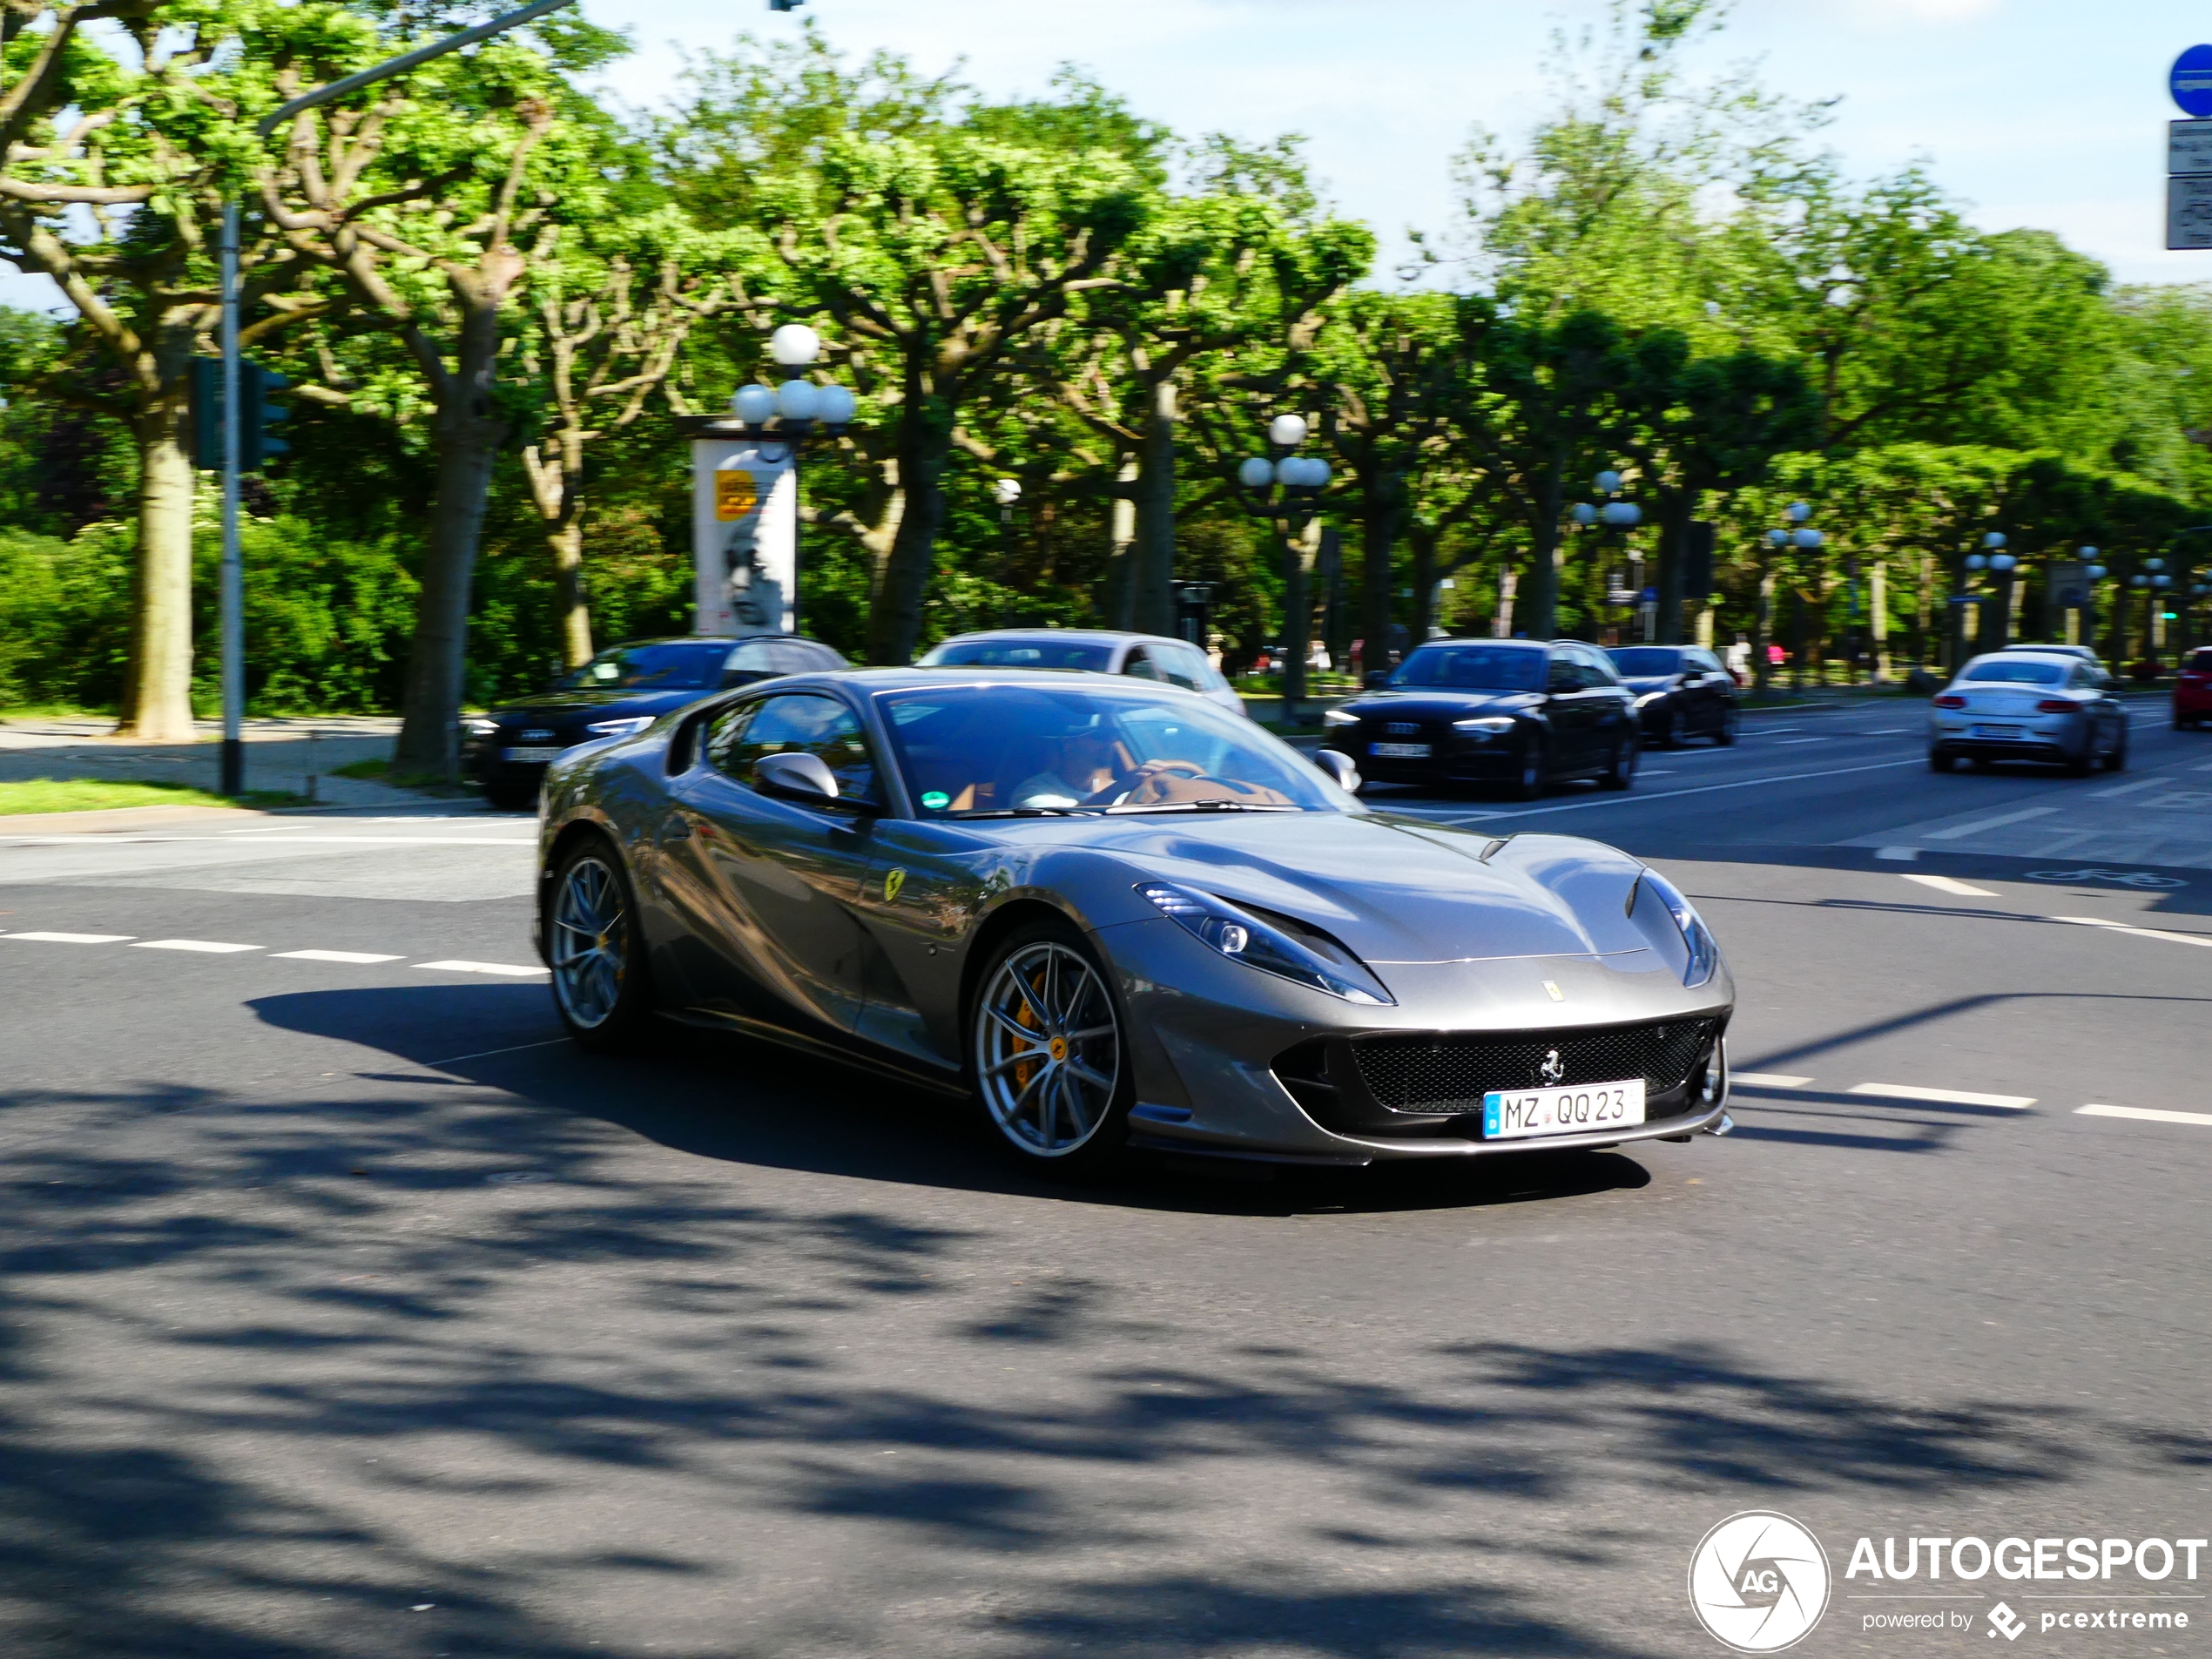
{"type": "Point", "coordinates": [802, 777]}
{"type": "Point", "coordinates": [1340, 766]}
{"type": "Point", "coordinates": [1376, 678]}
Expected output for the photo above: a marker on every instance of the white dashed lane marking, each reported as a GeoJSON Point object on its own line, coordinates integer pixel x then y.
{"type": "Point", "coordinates": [216, 948]}
{"type": "Point", "coordinates": [69, 939]}
{"type": "Point", "coordinates": [211, 947]}
{"type": "Point", "coordinates": [2146, 1115]}
{"type": "Point", "coordinates": [332, 956]}
{"type": "Point", "coordinates": [507, 968]}
{"type": "Point", "coordinates": [1945, 884]}
{"type": "Point", "coordinates": [1942, 1096]}
{"type": "Point", "coordinates": [1959, 832]}
{"type": "Point", "coordinates": [1768, 1080]}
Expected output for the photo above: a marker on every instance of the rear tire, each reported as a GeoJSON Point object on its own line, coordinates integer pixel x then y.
{"type": "Point", "coordinates": [2117, 760]}
{"type": "Point", "coordinates": [601, 987]}
{"type": "Point", "coordinates": [1046, 1057]}
{"type": "Point", "coordinates": [1730, 722]}
{"type": "Point", "coordinates": [1941, 760]}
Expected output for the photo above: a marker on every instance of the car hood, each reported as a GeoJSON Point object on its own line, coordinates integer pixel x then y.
{"type": "Point", "coordinates": [552, 707]}
{"type": "Point", "coordinates": [1392, 890]}
{"type": "Point", "coordinates": [1439, 706]}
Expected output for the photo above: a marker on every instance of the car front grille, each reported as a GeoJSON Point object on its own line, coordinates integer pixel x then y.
{"type": "Point", "coordinates": [1452, 1074]}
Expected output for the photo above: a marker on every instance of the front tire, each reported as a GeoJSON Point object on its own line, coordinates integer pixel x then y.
{"type": "Point", "coordinates": [1046, 1056]}
{"type": "Point", "coordinates": [2117, 760]}
{"type": "Point", "coordinates": [1941, 760]}
{"type": "Point", "coordinates": [601, 989]}
{"type": "Point", "coordinates": [1730, 723]}
{"type": "Point", "coordinates": [1621, 772]}
{"type": "Point", "coordinates": [1670, 735]}
{"type": "Point", "coordinates": [1529, 783]}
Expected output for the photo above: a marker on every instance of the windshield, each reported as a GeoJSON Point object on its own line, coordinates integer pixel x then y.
{"type": "Point", "coordinates": [2020, 671]}
{"type": "Point", "coordinates": [1647, 661]}
{"type": "Point", "coordinates": [1041, 651]}
{"type": "Point", "coordinates": [679, 666]}
{"type": "Point", "coordinates": [1485, 668]}
{"type": "Point", "coordinates": [970, 751]}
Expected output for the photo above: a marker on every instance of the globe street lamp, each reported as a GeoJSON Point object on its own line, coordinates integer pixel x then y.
{"type": "Point", "coordinates": [781, 420]}
{"type": "Point", "coordinates": [1285, 491]}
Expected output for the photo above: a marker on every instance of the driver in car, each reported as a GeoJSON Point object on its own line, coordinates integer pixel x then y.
{"type": "Point", "coordinates": [1088, 768]}
{"type": "Point", "coordinates": [1079, 763]}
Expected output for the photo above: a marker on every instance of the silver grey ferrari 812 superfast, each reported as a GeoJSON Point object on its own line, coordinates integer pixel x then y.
{"type": "Point", "coordinates": [1118, 917]}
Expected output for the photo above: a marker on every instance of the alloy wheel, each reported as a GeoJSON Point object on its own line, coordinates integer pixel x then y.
{"type": "Point", "coordinates": [591, 942]}
{"type": "Point", "coordinates": [1047, 1049]}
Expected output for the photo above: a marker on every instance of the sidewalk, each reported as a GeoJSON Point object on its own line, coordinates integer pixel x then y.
{"type": "Point", "coordinates": [281, 754]}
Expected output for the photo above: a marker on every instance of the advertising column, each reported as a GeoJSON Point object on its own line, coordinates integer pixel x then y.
{"type": "Point", "coordinates": [744, 536]}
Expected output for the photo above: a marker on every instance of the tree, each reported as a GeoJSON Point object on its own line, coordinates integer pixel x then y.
{"type": "Point", "coordinates": [416, 207]}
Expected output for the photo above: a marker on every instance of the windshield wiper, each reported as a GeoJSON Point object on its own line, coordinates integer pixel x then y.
{"type": "Point", "coordinates": [1214, 805]}
{"type": "Point", "coordinates": [1028, 812]}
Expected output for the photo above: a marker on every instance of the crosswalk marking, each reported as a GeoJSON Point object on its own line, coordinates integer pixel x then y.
{"type": "Point", "coordinates": [1959, 832]}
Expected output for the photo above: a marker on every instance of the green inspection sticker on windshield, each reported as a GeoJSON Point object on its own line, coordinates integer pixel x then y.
{"type": "Point", "coordinates": [936, 800]}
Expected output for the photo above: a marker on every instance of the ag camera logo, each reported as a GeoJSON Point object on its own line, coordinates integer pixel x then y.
{"type": "Point", "coordinates": [1758, 1582]}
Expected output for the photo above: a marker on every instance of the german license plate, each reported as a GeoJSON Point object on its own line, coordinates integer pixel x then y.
{"type": "Point", "coordinates": [1999, 731]}
{"type": "Point", "coordinates": [1398, 751]}
{"type": "Point", "coordinates": [1562, 1111]}
{"type": "Point", "coordinates": [552, 752]}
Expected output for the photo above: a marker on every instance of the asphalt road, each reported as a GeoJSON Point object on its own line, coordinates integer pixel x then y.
{"type": "Point", "coordinates": [347, 1311]}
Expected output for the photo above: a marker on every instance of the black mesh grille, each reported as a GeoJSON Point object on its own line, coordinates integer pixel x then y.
{"type": "Point", "coordinates": [1445, 1074]}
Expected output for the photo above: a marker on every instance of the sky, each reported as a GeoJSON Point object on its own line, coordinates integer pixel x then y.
{"type": "Point", "coordinates": [2047, 113]}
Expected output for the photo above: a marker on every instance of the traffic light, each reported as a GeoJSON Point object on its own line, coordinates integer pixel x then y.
{"type": "Point", "coordinates": [256, 443]}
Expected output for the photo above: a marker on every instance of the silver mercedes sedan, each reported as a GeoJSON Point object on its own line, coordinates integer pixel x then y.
{"type": "Point", "coordinates": [2017, 705]}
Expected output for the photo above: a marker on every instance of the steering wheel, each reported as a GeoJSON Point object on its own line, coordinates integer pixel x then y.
{"type": "Point", "coordinates": [1122, 787]}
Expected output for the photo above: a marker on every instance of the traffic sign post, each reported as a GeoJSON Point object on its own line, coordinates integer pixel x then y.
{"type": "Point", "coordinates": [2189, 152]}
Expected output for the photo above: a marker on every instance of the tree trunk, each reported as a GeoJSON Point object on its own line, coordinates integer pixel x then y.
{"type": "Point", "coordinates": [1155, 571]}
{"type": "Point", "coordinates": [570, 604]}
{"type": "Point", "coordinates": [894, 617]}
{"type": "Point", "coordinates": [1422, 540]}
{"type": "Point", "coordinates": [1117, 609]}
{"type": "Point", "coordinates": [157, 701]}
{"type": "Point", "coordinates": [1878, 616]}
{"type": "Point", "coordinates": [1544, 557]}
{"type": "Point", "coordinates": [1377, 572]}
{"type": "Point", "coordinates": [468, 433]}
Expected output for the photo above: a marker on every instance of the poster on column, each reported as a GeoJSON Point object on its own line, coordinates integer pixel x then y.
{"type": "Point", "coordinates": [744, 536]}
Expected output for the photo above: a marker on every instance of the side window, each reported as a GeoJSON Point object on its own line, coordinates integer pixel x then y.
{"type": "Point", "coordinates": [1140, 665]}
{"type": "Point", "coordinates": [1184, 666]}
{"type": "Point", "coordinates": [1597, 668]}
{"type": "Point", "coordinates": [1703, 662]}
{"type": "Point", "coordinates": [798, 724]}
{"type": "Point", "coordinates": [1564, 675]}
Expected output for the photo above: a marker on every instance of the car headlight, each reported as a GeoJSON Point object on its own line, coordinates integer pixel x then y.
{"type": "Point", "coordinates": [1649, 697]}
{"type": "Point", "coordinates": [1487, 724]}
{"type": "Point", "coordinates": [1338, 717]}
{"type": "Point", "coordinates": [478, 725]}
{"type": "Point", "coordinates": [621, 728]}
{"type": "Point", "coordinates": [1244, 938]}
{"type": "Point", "coordinates": [1704, 953]}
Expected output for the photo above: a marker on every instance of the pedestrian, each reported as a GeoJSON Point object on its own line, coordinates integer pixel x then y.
{"type": "Point", "coordinates": [1739, 659]}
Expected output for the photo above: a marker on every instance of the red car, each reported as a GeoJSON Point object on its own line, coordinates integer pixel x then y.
{"type": "Point", "coordinates": [2193, 689]}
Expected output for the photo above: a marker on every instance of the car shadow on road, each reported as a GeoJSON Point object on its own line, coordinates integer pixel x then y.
{"type": "Point", "coordinates": [313, 1368]}
{"type": "Point", "coordinates": [741, 1101]}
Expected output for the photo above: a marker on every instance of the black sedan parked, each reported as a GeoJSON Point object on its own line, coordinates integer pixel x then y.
{"type": "Point", "coordinates": [1516, 711]}
{"type": "Point", "coordinates": [619, 691]}
{"type": "Point", "coordinates": [1682, 691]}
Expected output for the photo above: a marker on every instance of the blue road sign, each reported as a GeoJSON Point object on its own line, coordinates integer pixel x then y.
{"type": "Point", "coordinates": [2191, 81]}
{"type": "Point", "coordinates": [1650, 595]}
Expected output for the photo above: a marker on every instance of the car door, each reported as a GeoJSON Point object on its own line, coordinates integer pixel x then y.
{"type": "Point", "coordinates": [1610, 706]}
{"type": "Point", "coordinates": [2105, 716]}
{"type": "Point", "coordinates": [1711, 688]}
{"type": "Point", "coordinates": [770, 887]}
{"type": "Point", "coordinates": [1567, 709]}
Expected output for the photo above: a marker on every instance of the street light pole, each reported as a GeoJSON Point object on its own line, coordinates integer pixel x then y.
{"type": "Point", "coordinates": [233, 598]}
{"type": "Point", "coordinates": [1302, 478]}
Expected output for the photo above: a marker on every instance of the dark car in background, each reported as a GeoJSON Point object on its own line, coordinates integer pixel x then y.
{"type": "Point", "coordinates": [1517, 712]}
{"type": "Point", "coordinates": [1682, 691]}
{"type": "Point", "coordinates": [618, 691]}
